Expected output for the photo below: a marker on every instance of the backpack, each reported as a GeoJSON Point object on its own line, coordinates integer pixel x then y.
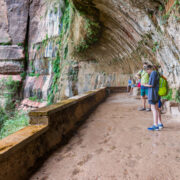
{"type": "Point", "coordinates": [163, 86]}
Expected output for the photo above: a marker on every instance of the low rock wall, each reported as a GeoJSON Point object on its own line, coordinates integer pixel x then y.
{"type": "Point", "coordinates": [21, 151]}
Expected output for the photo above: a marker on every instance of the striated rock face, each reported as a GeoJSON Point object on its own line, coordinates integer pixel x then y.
{"type": "Point", "coordinates": [76, 46]}
{"type": "Point", "coordinates": [17, 16]}
{"type": "Point", "coordinates": [13, 52]}
{"type": "Point", "coordinates": [13, 30]}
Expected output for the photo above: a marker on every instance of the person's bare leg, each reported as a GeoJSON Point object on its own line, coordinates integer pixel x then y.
{"type": "Point", "coordinates": [155, 114]}
{"type": "Point", "coordinates": [148, 105]}
{"type": "Point", "coordinates": [159, 115]}
{"type": "Point", "coordinates": [131, 91]}
{"type": "Point", "coordinates": [144, 101]}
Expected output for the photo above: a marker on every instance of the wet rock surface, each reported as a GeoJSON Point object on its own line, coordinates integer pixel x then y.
{"type": "Point", "coordinates": [114, 144]}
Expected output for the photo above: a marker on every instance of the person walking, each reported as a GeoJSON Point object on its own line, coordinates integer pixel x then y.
{"type": "Point", "coordinates": [153, 98]}
{"type": "Point", "coordinates": [144, 90]}
{"type": "Point", "coordinates": [129, 84]}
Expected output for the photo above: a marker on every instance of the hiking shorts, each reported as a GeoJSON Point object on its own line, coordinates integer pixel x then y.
{"type": "Point", "coordinates": [152, 102]}
{"type": "Point", "coordinates": [144, 91]}
{"type": "Point", "coordinates": [155, 102]}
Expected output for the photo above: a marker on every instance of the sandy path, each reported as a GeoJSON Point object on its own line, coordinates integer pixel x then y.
{"type": "Point", "coordinates": [114, 144]}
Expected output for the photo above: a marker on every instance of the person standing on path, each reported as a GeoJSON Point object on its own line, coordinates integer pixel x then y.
{"type": "Point", "coordinates": [153, 98]}
{"type": "Point", "coordinates": [144, 90]}
{"type": "Point", "coordinates": [129, 84]}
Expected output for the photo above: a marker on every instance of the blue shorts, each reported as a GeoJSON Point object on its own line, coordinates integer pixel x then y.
{"type": "Point", "coordinates": [152, 102]}
{"type": "Point", "coordinates": [144, 91]}
{"type": "Point", "coordinates": [155, 102]}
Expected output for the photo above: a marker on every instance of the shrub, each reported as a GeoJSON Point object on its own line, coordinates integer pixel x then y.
{"type": "Point", "coordinates": [13, 124]}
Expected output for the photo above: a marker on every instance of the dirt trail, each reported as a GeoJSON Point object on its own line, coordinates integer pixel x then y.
{"type": "Point", "coordinates": [114, 144]}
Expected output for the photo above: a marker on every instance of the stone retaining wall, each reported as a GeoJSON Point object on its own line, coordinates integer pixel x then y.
{"type": "Point", "coordinates": [20, 152]}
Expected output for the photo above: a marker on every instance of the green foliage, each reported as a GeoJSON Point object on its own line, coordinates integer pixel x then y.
{"type": "Point", "coordinates": [12, 124]}
{"type": "Point", "coordinates": [166, 16]}
{"type": "Point", "coordinates": [38, 47]}
{"type": "Point", "coordinates": [155, 47]}
{"type": "Point", "coordinates": [55, 10]}
{"type": "Point", "coordinates": [161, 8]}
{"type": "Point", "coordinates": [37, 74]}
{"type": "Point", "coordinates": [20, 44]}
{"type": "Point", "coordinates": [177, 97]}
{"type": "Point", "coordinates": [65, 20]}
{"type": "Point", "coordinates": [45, 41]}
{"type": "Point", "coordinates": [64, 24]}
{"type": "Point", "coordinates": [56, 71]}
{"type": "Point", "coordinates": [11, 87]}
{"type": "Point", "coordinates": [3, 116]}
{"type": "Point", "coordinates": [6, 44]}
{"type": "Point", "coordinates": [10, 119]}
{"type": "Point", "coordinates": [35, 98]}
{"type": "Point", "coordinates": [177, 2]}
{"type": "Point", "coordinates": [32, 73]}
{"type": "Point", "coordinates": [168, 96]}
{"type": "Point", "coordinates": [92, 33]}
{"type": "Point", "coordinates": [82, 46]}
{"type": "Point", "coordinates": [23, 75]}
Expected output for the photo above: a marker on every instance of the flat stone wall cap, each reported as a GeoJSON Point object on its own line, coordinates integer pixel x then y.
{"type": "Point", "coordinates": [19, 138]}
{"type": "Point", "coordinates": [13, 52]}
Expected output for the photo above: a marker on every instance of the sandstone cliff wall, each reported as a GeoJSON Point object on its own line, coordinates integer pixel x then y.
{"type": "Point", "coordinates": [76, 46]}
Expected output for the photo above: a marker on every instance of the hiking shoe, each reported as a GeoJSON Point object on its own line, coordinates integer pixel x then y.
{"type": "Point", "coordinates": [153, 128]}
{"type": "Point", "coordinates": [142, 109]}
{"type": "Point", "coordinates": [148, 109]}
{"type": "Point", "coordinates": [160, 126]}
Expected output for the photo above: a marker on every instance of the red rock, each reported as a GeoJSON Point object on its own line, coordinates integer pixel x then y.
{"type": "Point", "coordinates": [25, 101]}
{"type": "Point", "coordinates": [42, 104]}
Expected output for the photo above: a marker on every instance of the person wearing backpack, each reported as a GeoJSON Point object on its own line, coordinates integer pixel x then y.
{"type": "Point", "coordinates": [163, 86]}
{"type": "Point", "coordinates": [153, 98]}
{"type": "Point", "coordinates": [144, 90]}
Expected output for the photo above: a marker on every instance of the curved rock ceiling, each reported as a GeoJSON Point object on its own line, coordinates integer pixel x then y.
{"type": "Point", "coordinates": [130, 30]}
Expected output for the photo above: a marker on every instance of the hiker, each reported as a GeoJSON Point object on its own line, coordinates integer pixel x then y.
{"type": "Point", "coordinates": [138, 81]}
{"type": "Point", "coordinates": [153, 98]}
{"type": "Point", "coordinates": [144, 90]}
{"type": "Point", "coordinates": [163, 86]}
{"type": "Point", "coordinates": [129, 84]}
{"type": "Point", "coordinates": [132, 86]}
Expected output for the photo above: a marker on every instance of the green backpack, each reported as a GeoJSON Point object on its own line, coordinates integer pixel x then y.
{"type": "Point", "coordinates": [162, 87]}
